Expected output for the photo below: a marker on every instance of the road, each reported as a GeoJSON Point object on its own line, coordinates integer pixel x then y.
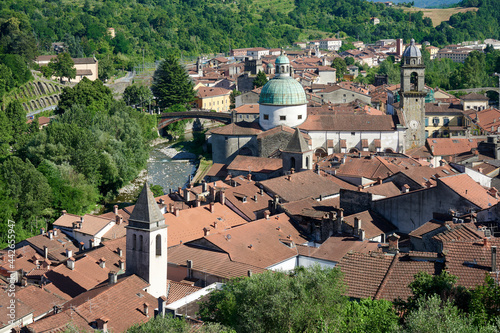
{"type": "Point", "coordinates": [52, 107]}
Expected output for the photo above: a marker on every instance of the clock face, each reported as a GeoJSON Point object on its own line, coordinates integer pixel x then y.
{"type": "Point", "coordinates": [413, 124]}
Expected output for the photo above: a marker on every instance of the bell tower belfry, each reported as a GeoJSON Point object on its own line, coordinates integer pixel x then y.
{"type": "Point", "coordinates": [413, 94]}
{"type": "Point", "coordinates": [147, 243]}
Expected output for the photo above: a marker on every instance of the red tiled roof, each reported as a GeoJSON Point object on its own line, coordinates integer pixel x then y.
{"type": "Point", "coordinates": [242, 128]}
{"type": "Point", "coordinates": [39, 299]}
{"type": "Point", "coordinates": [305, 206]}
{"type": "Point", "coordinates": [348, 122]}
{"type": "Point", "coordinates": [363, 273]}
{"type": "Point", "coordinates": [255, 164]}
{"type": "Point", "coordinates": [234, 198]}
{"type": "Point", "coordinates": [466, 187]}
{"type": "Point", "coordinates": [217, 170]}
{"type": "Point", "coordinates": [178, 290]}
{"type": "Point", "coordinates": [247, 108]}
{"type": "Point", "coordinates": [57, 245]}
{"type": "Point", "coordinates": [372, 223]}
{"type": "Point", "coordinates": [451, 146]}
{"type": "Point", "coordinates": [91, 224]}
{"type": "Point", "coordinates": [305, 184]}
{"type": "Point", "coordinates": [204, 92]}
{"type": "Point", "coordinates": [386, 189]}
{"type": "Point", "coordinates": [426, 228]}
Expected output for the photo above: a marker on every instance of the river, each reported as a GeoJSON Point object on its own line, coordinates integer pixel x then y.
{"type": "Point", "coordinates": [166, 167]}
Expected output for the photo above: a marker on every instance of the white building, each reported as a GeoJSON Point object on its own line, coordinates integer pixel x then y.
{"type": "Point", "coordinates": [330, 44]}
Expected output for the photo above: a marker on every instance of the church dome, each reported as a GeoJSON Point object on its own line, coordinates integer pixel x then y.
{"type": "Point", "coordinates": [282, 90]}
{"type": "Point", "coordinates": [282, 60]}
{"type": "Point", "coordinates": [412, 50]}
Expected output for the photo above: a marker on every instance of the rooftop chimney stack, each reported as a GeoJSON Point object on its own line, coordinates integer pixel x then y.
{"type": "Point", "coordinates": [222, 196]}
{"type": "Point", "coordinates": [203, 186]}
{"type": "Point", "coordinates": [146, 309]}
{"type": "Point", "coordinates": [56, 231]}
{"type": "Point", "coordinates": [102, 324]}
{"type": "Point", "coordinates": [212, 208]}
{"type": "Point", "coordinates": [249, 176]}
{"type": "Point", "coordinates": [118, 219]}
{"type": "Point", "coordinates": [70, 263]}
{"type": "Point", "coordinates": [266, 214]}
{"type": "Point", "coordinates": [51, 234]}
{"type": "Point", "coordinates": [393, 240]}
{"type": "Point", "coordinates": [102, 263]}
{"type": "Point", "coordinates": [112, 277]}
{"type": "Point", "coordinates": [206, 231]}
{"type": "Point", "coordinates": [45, 252]}
{"type": "Point", "coordinates": [63, 212]}
{"type": "Point", "coordinates": [69, 253]}
{"type": "Point", "coordinates": [292, 171]}
{"type": "Point", "coordinates": [115, 209]}
{"type": "Point", "coordinates": [121, 264]}
{"type": "Point", "coordinates": [197, 203]}
{"type": "Point", "coordinates": [82, 246]}
{"type": "Point", "coordinates": [493, 258]}
{"type": "Point", "coordinates": [361, 235]}
{"type": "Point", "coordinates": [42, 231]}
{"type": "Point", "coordinates": [176, 211]}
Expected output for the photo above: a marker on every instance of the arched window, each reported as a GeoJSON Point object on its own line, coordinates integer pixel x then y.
{"type": "Point", "coordinates": [134, 241]}
{"type": "Point", "coordinates": [307, 162]}
{"type": "Point", "coordinates": [158, 245]}
{"type": "Point", "coordinates": [292, 163]}
{"type": "Point", "coordinates": [140, 243]}
{"type": "Point", "coordinates": [414, 81]}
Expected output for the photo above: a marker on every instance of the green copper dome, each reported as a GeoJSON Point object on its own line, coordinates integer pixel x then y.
{"type": "Point", "coordinates": [282, 60]}
{"type": "Point", "coordinates": [282, 90]}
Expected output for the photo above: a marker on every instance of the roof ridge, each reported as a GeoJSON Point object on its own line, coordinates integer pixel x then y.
{"type": "Point", "coordinates": [386, 277]}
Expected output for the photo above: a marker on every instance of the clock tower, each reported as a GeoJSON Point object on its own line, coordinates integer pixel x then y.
{"type": "Point", "coordinates": [413, 94]}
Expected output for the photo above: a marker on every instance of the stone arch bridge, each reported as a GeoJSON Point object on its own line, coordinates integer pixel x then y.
{"type": "Point", "coordinates": [477, 90]}
{"type": "Point", "coordinates": [168, 118]}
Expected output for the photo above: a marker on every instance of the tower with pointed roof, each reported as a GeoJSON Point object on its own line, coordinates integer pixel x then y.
{"type": "Point", "coordinates": [297, 154]}
{"type": "Point", "coordinates": [147, 243]}
{"type": "Point", "coordinates": [413, 94]}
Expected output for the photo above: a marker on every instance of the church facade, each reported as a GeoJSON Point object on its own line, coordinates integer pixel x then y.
{"type": "Point", "coordinates": [283, 108]}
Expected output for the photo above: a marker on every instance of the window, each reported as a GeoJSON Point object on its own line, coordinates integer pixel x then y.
{"type": "Point", "coordinates": [426, 121]}
{"type": "Point", "coordinates": [158, 245]}
{"type": "Point", "coordinates": [435, 121]}
{"type": "Point", "coordinates": [446, 121]}
{"type": "Point", "coordinates": [134, 241]}
{"type": "Point", "coordinates": [282, 117]}
{"type": "Point", "coordinates": [299, 116]}
{"type": "Point", "coordinates": [266, 117]}
{"type": "Point", "coordinates": [353, 133]}
{"type": "Point", "coordinates": [140, 243]}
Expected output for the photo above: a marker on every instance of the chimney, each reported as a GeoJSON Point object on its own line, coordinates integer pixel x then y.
{"type": "Point", "coordinates": [261, 191]}
{"type": "Point", "coordinates": [215, 224]}
{"type": "Point", "coordinates": [486, 242]}
{"type": "Point", "coordinates": [112, 278]}
{"type": "Point", "coordinates": [222, 196]}
{"type": "Point", "coordinates": [115, 209]}
{"type": "Point", "coordinates": [162, 304]}
{"type": "Point", "coordinates": [379, 180]}
{"type": "Point", "coordinates": [361, 235]}
{"type": "Point", "coordinates": [189, 265]}
{"type": "Point", "coordinates": [102, 324]}
{"type": "Point", "coordinates": [51, 235]}
{"type": "Point", "coordinates": [146, 309]}
{"type": "Point", "coordinates": [121, 264]}
{"type": "Point", "coordinates": [82, 246]}
{"type": "Point", "coordinates": [357, 225]}
{"type": "Point", "coordinates": [69, 253]}
{"type": "Point", "coordinates": [292, 171]}
{"type": "Point", "coordinates": [56, 231]}
{"type": "Point", "coordinates": [179, 190]}
{"type": "Point", "coordinates": [45, 252]}
{"type": "Point", "coordinates": [70, 263]}
{"type": "Point", "coordinates": [160, 201]}
{"type": "Point", "coordinates": [393, 240]}
{"type": "Point", "coordinates": [360, 188]}
{"type": "Point", "coordinates": [81, 220]}
{"type": "Point", "coordinates": [42, 231]}
{"type": "Point", "coordinates": [91, 243]}
{"type": "Point", "coordinates": [206, 231]}
{"type": "Point", "coordinates": [340, 219]}
{"type": "Point", "coordinates": [249, 176]}
{"type": "Point", "coordinates": [102, 263]}
{"type": "Point", "coordinates": [266, 214]}
{"type": "Point", "coordinates": [493, 258]}
{"type": "Point", "coordinates": [493, 192]}
{"type": "Point", "coordinates": [197, 203]}
{"type": "Point", "coordinates": [249, 273]}
{"type": "Point", "coordinates": [212, 208]}
{"type": "Point", "coordinates": [171, 208]}
{"type": "Point", "coordinates": [63, 212]}
{"type": "Point", "coordinates": [406, 188]}
{"type": "Point", "coordinates": [382, 238]}
{"type": "Point", "coordinates": [118, 219]}
{"type": "Point", "coordinates": [255, 198]}
{"type": "Point", "coordinates": [203, 185]}
{"type": "Point", "coordinates": [176, 211]}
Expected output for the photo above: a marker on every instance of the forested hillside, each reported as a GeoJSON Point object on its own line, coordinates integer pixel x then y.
{"type": "Point", "coordinates": [157, 28]}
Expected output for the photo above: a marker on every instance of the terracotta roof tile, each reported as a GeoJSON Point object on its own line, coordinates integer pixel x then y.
{"type": "Point", "coordinates": [204, 92]}
{"type": "Point", "coordinates": [335, 248]}
{"type": "Point", "coordinates": [255, 164]}
{"type": "Point", "coordinates": [57, 246]}
{"type": "Point", "coordinates": [91, 224]}
{"type": "Point", "coordinates": [217, 170]}
{"type": "Point", "coordinates": [386, 189]}
{"type": "Point", "coordinates": [451, 146]}
{"type": "Point", "coordinates": [247, 108]}
{"type": "Point", "coordinates": [425, 228]}
{"type": "Point", "coordinates": [467, 188]}
{"type": "Point", "coordinates": [209, 261]}
{"type": "Point", "coordinates": [241, 128]}
{"type": "Point", "coordinates": [310, 204]}
{"type": "Point", "coordinates": [303, 185]}
{"type": "Point", "coordinates": [21, 309]}
{"type": "Point", "coordinates": [260, 243]}
{"type": "Point", "coordinates": [178, 290]}
{"type": "Point", "coordinates": [372, 223]}
{"type": "Point", "coordinates": [348, 122]}
{"type": "Point", "coordinates": [40, 300]}
{"type": "Point", "coordinates": [363, 273]}
{"type": "Point", "coordinates": [250, 208]}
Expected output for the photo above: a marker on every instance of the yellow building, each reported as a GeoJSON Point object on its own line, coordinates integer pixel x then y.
{"type": "Point", "coordinates": [212, 98]}
{"type": "Point", "coordinates": [443, 119]}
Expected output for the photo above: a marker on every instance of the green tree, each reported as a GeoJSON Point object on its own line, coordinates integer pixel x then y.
{"type": "Point", "coordinates": [341, 67]}
{"type": "Point", "coordinates": [92, 94]}
{"type": "Point", "coordinates": [137, 95]}
{"type": "Point", "coordinates": [392, 71]}
{"type": "Point", "coordinates": [156, 189]}
{"type": "Point", "coordinates": [169, 324]}
{"type": "Point", "coordinates": [171, 84]}
{"type": "Point", "coordinates": [106, 68]}
{"type": "Point", "coordinates": [232, 98]}
{"type": "Point", "coordinates": [349, 61]}
{"type": "Point", "coordinates": [5, 134]}
{"type": "Point", "coordinates": [17, 118]}
{"type": "Point", "coordinates": [277, 302]}
{"type": "Point", "coordinates": [63, 66]}
{"type": "Point", "coordinates": [260, 80]}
